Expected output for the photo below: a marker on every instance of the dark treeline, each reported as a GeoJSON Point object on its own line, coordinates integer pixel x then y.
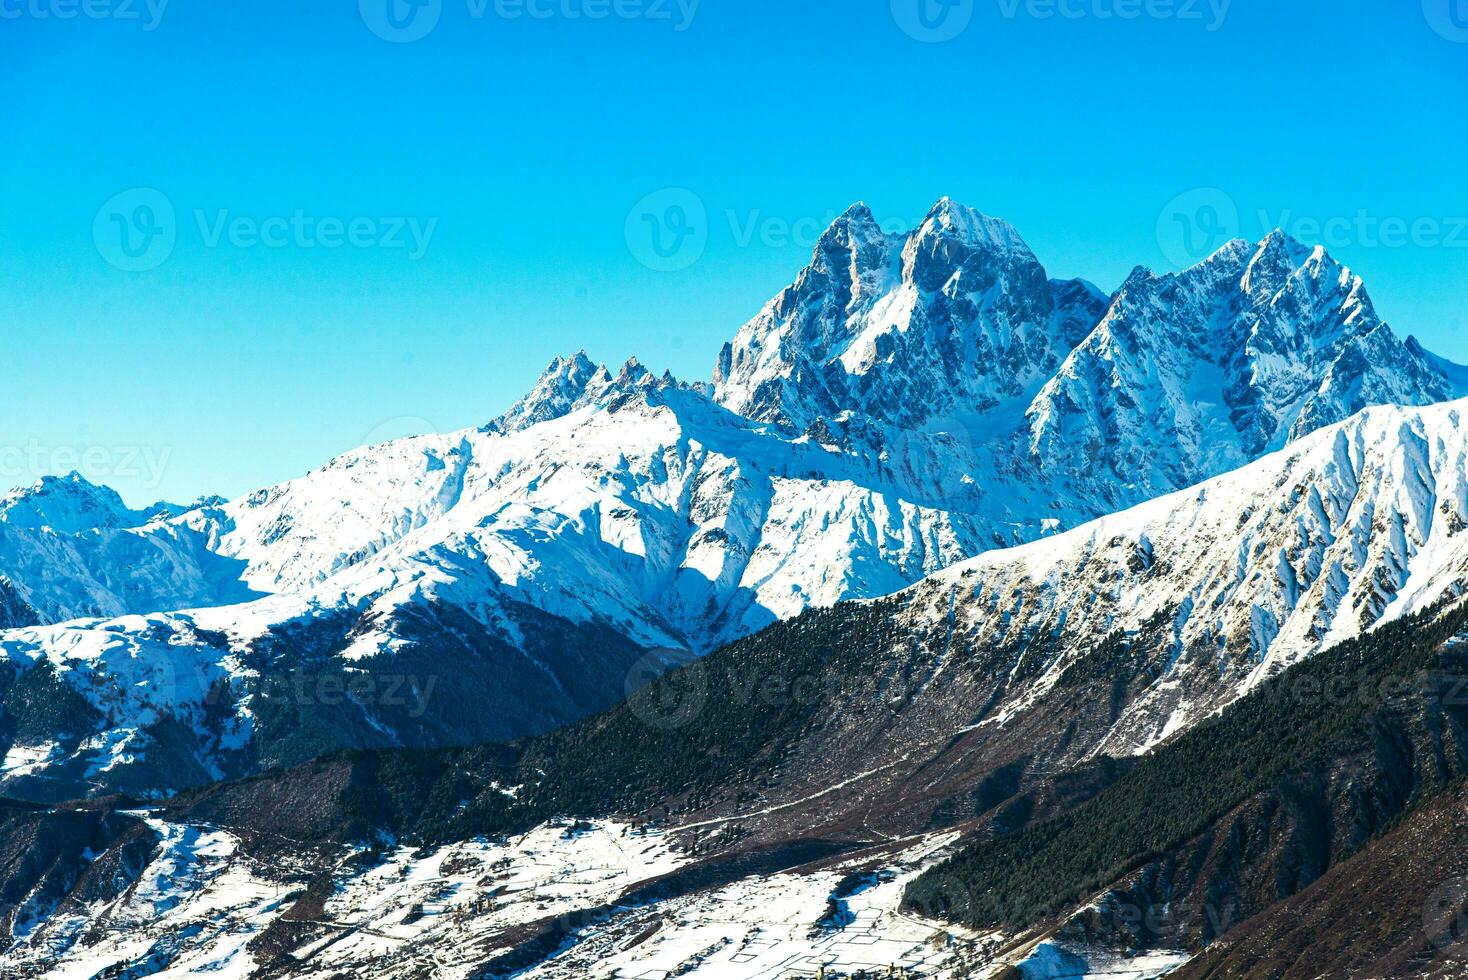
{"type": "Point", "coordinates": [1321, 710]}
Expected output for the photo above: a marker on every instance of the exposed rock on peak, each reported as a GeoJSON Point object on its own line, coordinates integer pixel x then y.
{"type": "Point", "coordinates": [956, 316]}
{"type": "Point", "coordinates": [72, 504]}
{"type": "Point", "coordinates": [559, 387]}
{"type": "Point", "coordinates": [1192, 374]}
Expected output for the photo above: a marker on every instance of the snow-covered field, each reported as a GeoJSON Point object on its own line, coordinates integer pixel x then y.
{"type": "Point", "coordinates": [192, 913]}
{"type": "Point", "coordinates": [203, 904]}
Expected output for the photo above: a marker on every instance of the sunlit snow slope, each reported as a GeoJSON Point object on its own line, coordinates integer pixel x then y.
{"type": "Point", "coordinates": [910, 401]}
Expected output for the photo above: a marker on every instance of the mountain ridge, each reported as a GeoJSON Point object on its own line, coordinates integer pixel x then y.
{"type": "Point", "coordinates": [874, 424]}
{"type": "Point", "coordinates": [949, 552]}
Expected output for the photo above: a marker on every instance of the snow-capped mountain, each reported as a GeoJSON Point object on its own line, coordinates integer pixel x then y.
{"type": "Point", "coordinates": [956, 317]}
{"type": "Point", "coordinates": [533, 567]}
{"type": "Point", "coordinates": [1238, 578]}
{"type": "Point", "coordinates": [70, 505]}
{"type": "Point", "coordinates": [1061, 405]}
{"type": "Point", "coordinates": [981, 698]}
{"type": "Point", "coordinates": [649, 508]}
{"type": "Point", "coordinates": [70, 549]}
{"type": "Point", "coordinates": [909, 402]}
{"type": "Point", "coordinates": [1194, 374]}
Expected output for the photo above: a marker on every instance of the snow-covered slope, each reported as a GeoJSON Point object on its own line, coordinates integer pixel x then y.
{"type": "Point", "coordinates": [197, 902]}
{"type": "Point", "coordinates": [909, 402]}
{"type": "Point", "coordinates": [71, 549]}
{"type": "Point", "coordinates": [653, 510]}
{"type": "Point", "coordinates": [1232, 581]}
{"type": "Point", "coordinates": [1195, 374]}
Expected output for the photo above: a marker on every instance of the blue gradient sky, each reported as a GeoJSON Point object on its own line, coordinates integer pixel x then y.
{"type": "Point", "coordinates": [530, 140]}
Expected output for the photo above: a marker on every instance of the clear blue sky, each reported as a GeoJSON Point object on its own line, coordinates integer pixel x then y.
{"type": "Point", "coordinates": [524, 142]}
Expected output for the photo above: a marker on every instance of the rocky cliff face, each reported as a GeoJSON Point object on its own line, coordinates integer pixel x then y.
{"type": "Point", "coordinates": [1190, 375]}
{"type": "Point", "coordinates": [909, 402]}
{"type": "Point", "coordinates": [956, 317]}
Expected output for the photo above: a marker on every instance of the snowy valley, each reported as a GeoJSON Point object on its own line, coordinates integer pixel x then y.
{"type": "Point", "coordinates": [947, 548]}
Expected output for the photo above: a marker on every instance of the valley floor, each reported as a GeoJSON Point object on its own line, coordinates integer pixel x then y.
{"type": "Point", "coordinates": [206, 907]}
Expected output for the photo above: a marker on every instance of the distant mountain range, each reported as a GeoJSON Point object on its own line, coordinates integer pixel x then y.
{"type": "Point", "coordinates": [1126, 799]}
{"type": "Point", "coordinates": [951, 571]}
{"type": "Point", "coordinates": [909, 402]}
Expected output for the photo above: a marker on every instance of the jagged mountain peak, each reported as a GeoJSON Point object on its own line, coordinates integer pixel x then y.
{"type": "Point", "coordinates": [970, 226]}
{"type": "Point", "coordinates": [1279, 258]}
{"type": "Point", "coordinates": [563, 382]}
{"type": "Point", "coordinates": [570, 382]}
{"type": "Point", "coordinates": [858, 215]}
{"type": "Point", "coordinates": [1252, 267]}
{"type": "Point", "coordinates": [71, 504]}
{"type": "Point", "coordinates": [1282, 241]}
{"type": "Point", "coordinates": [633, 373]}
{"type": "Point", "coordinates": [956, 315]}
{"type": "Point", "coordinates": [1257, 269]}
{"type": "Point", "coordinates": [1194, 373]}
{"type": "Point", "coordinates": [577, 363]}
{"type": "Point", "coordinates": [1175, 378]}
